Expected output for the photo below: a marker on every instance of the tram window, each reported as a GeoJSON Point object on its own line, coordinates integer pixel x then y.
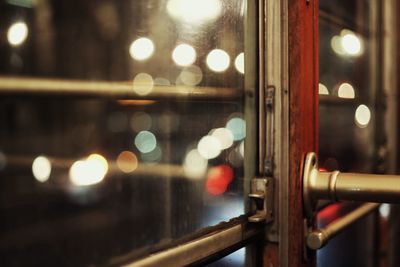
{"type": "Point", "coordinates": [348, 90]}
{"type": "Point", "coordinates": [84, 181]}
{"type": "Point", "coordinates": [348, 84]}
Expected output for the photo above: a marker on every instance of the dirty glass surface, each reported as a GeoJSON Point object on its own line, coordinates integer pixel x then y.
{"type": "Point", "coordinates": [351, 131]}
{"type": "Point", "coordinates": [87, 181]}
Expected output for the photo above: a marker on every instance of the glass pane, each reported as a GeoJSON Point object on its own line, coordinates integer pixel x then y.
{"type": "Point", "coordinates": [348, 129]}
{"type": "Point", "coordinates": [86, 181]}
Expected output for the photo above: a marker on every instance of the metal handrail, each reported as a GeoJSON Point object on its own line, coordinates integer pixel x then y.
{"type": "Point", "coordinates": [115, 89]}
{"type": "Point", "coordinates": [318, 238]}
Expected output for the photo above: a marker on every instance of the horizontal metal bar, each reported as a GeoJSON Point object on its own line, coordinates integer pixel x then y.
{"type": "Point", "coordinates": [318, 238]}
{"type": "Point", "coordinates": [337, 186]}
{"type": "Point", "coordinates": [143, 169]}
{"type": "Point", "coordinates": [198, 249]}
{"type": "Point", "coordinates": [114, 89]}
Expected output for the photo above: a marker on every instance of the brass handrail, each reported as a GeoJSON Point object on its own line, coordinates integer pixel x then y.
{"type": "Point", "coordinates": [114, 89]}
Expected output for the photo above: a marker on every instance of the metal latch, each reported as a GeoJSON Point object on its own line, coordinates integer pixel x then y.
{"type": "Point", "coordinates": [261, 194]}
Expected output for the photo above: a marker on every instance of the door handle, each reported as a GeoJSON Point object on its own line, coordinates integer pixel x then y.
{"type": "Point", "coordinates": [337, 186]}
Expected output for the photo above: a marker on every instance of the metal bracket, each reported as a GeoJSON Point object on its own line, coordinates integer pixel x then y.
{"type": "Point", "coordinates": [262, 196]}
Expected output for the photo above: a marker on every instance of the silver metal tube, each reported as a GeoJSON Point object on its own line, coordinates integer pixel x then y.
{"type": "Point", "coordinates": [120, 90]}
{"type": "Point", "coordinates": [318, 238]}
{"type": "Point", "coordinates": [337, 186]}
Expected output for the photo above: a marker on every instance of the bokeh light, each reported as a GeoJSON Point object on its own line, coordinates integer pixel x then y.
{"type": "Point", "coordinates": [218, 60]}
{"type": "Point", "coordinates": [41, 168]}
{"type": "Point", "coordinates": [218, 179]}
{"type": "Point", "coordinates": [191, 76]}
{"type": "Point", "coordinates": [184, 55]}
{"type": "Point", "coordinates": [141, 49]}
{"type": "Point", "coordinates": [141, 121]}
{"type": "Point", "coordinates": [127, 161]}
{"type": "Point", "coordinates": [152, 156]}
{"type": "Point", "coordinates": [347, 44]}
{"type": "Point", "coordinates": [351, 44]}
{"type": "Point", "coordinates": [362, 116]}
{"type": "Point", "coordinates": [209, 147]}
{"type": "Point", "coordinates": [238, 128]}
{"type": "Point", "coordinates": [224, 136]}
{"type": "Point", "coordinates": [322, 89]}
{"type": "Point", "coordinates": [17, 33]}
{"type": "Point", "coordinates": [145, 141]}
{"type": "Point", "coordinates": [384, 210]}
{"type": "Point", "coordinates": [239, 63]}
{"type": "Point", "coordinates": [346, 90]}
{"type": "Point", "coordinates": [194, 11]}
{"type": "Point", "coordinates": [89, 171]}
{"type": "Point", "coordinates": [143, 84]}
{"type": "Point", "coordinates": [241, 149]}
{"type": "Point", "coordinates": [194, 165]}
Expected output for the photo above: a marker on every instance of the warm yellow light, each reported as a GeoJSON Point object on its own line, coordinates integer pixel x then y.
{"type": "Point", "coordinates": [143, 84]}
{"type": "Point", "coordinates": [362, 116]}
{"type": "Point", "coordinates": [218, 60]}
{"type": "Point", "coordinates": [352, 44]}
{"type": "Point", "coordinates": [194, 11]}
{"type": "Point", "coordinates": [191, 76]}
{"type": "Point", "coordinates": [239, 63]}
{"type": "Point", "coordinates": [322, 89]}
{"type": "Point", "coordinates": [141, 49]}
{"type": "Point", "coordinates": [90, 171]}
{"type": "Point", "coordinates": [346, 90]}
{"type": "Point", "coordinates": [184, 55]}
{"type": "Point", "coordinates": [347, 44]}
{"type": "Point", "coordinates": [127, 161]}
{"type": "Point", "coordinates": [17, 33]}
{"type": "Point", "coordinates": [41, 168]}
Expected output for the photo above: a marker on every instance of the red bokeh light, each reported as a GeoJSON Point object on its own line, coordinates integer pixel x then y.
{"type": "Point", "coordinates": [218, 179]}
